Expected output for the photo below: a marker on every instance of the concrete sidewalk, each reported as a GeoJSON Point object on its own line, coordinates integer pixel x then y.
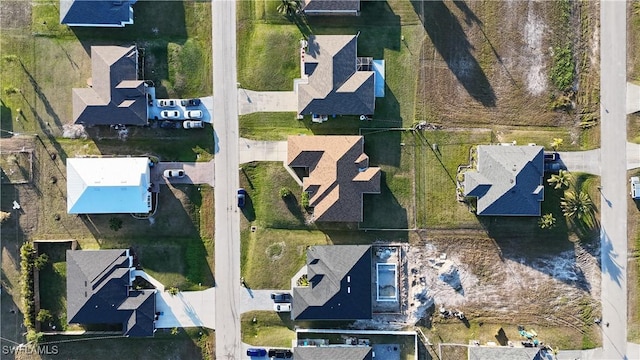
{"type": "Point", "coordinates": [186, 309]}
{"type": "Point", "coordinates": [266, 101]}
{"type": "Point", "coordinates": [254, 150]}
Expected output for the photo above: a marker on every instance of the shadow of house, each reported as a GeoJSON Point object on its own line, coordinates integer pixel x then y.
{"type": "Point", "coordinates": [99, 291]}
{"type": "Point", "coordinates": [96, 13]}
{"type": "Point", "coordinates": [452, 44]}
{"type": "Point", "coordinates": [337, 175]}
{"type": "Point", "coordinates": [340, 284]}
{"type": "Point", "coordinates": [116, 96]}
{"type": "Point", "coordinates": [6, 120]}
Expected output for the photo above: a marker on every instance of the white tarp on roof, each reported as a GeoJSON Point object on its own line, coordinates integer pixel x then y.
{"type": "Point", "coordinates": [108, 185]}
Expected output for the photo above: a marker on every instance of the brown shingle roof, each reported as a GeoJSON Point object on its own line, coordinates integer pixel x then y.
{"type": "Point", "coordinates": [116, 96]}
{"type": "Point", "coordinates": [334, 85]}
{"type": "Point", "coordinates": [338, 174]}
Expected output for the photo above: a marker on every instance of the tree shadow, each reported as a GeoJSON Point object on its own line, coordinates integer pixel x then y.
{"type": "Point", "coordinates": [293, 205]}
{"type": "Point", "coordinates": [6, 120]}
{"type": "Point", "coordinates": [501, 337]}
{"type": "Point", "coordinates": [610, 263]}
{"type": "Point", "coordinates": [450, 40]}
{"type": "Point", "coordinates": [43, 98]}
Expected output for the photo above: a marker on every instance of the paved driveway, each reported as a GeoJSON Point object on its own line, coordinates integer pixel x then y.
{"type": "Point", "coordinates": [254, 150]}
{"type": "Point", "coordinates": [589, 161]}
{"type": "Point", "coordinates": [186, 309]}
{"type": "Point", "coordinates": [195, 173]}
{"type": "Point", "coordinates": [266, 101]}
{"type": "Point", "coordinates": [256, 299]}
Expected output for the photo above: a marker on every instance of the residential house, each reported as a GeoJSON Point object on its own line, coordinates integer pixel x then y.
{"type": "Point", "coordinates": [96, 13]}
{"type": "Point", "coordinates": [333, 352]}
{"type": "Point", "coordinates": [116, 96]}
{"type": "Point", "coordinates": [506, 353]}
{"type": "Point", "coordinates": [508, 180]}
{"type": "Point", "coordinates": [331, 7]}
{"type": "Point", "coordinates": [99, 291]}
{"type": "Point", "coordinates": [108, 185]}
{"type": "Point", "coordinates": [339, 284]}
{"type": "Point", "coordinates": [333, 82]}
{"type": "Point", "coordinates": [335, 172]}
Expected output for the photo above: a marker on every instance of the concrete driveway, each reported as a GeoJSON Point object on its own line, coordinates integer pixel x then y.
{"type": "Point", "coordinates": [266, 101]}
{"type": "Point", "coordinates": [589, 161]}
{"type": "Point", "coordinates": [186, 309]}
{"type": "Point", "coordinates": [195, 173]}
{"type": "Point", "coordinates": [254, 150]}
{"type": "Point", "coordinates": [256, 299]}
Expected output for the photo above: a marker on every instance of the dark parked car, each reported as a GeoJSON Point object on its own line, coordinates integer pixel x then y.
{"type": "Point", "coordinates": [242, 194]}
{"type": "Point", "coordinates": [280, 353]}
{"type": "Point", "coordinates": [281, 297]}
{"type": "Point", "coordinates": [168, 124]}
{"type": "Point", "coordinates": [256, 352]}
{"type": "Point", "coordinates": [190, 102]}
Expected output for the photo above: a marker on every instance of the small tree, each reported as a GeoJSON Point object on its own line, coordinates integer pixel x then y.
{"type": "Point", "coordinates": [173, 291]}
{"type": "Point", "coordinates": [174, 331]}
{"type": "Point", "coordinates": [284, 192]}
{"type": "Point", "coordinates": [115, 223]}
{"type": "Point", "coordinates": [304, 199]}
{"type": "Point", "coordinates": [547, 221]}
{"type": "Point", "coordinates": [577, 206]}
{"type": "Point", "coordinates": [561, 180]}
{"type": "Point", "coordinates": [289, 7]}
{"type": "Point", "coordinates": [41, 261]}
{"type": "Point", "coordinates": [555, 144]}
{"type": "Point", "coordinates": [34, 337]}
{"type": "Point", "coordinates": [44, 316]}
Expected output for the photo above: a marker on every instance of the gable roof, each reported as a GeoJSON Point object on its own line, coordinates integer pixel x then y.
{"type": "Point", "coordinates": [503, 353]}
{"type": "Point", "coordinates": [331, 6]}
{"type": "Point", "coordinates": [340, 284]}
{"type": "Point", "coordinates": [108, 185]}
{"type": "Point", "coordinates": [337, 352]}
{"type": "Point", "coordinates": [116, 96]}
{"type": "Point", "coordinates": [339, 174]}
{"type": "Point", "coordinates": [98, 13]}
{"type": "Point", "coordinates": [508, 180]}
{"type": "Point", "coordinates": [98, 292]}
{"type": "Point", "coordinates": [333, 86]}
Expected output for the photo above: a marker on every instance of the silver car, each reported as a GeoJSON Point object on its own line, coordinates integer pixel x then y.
{"type": "Point", "coordinates": [170, 114]}
{"type": "Point", "coordinates": [166, 103]}
{"type": "Point", "coordinates": [193, 124]}
{"type": "Point", "coordinates": [193, 114]}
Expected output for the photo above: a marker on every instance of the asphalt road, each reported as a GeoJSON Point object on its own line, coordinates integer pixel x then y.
{"type": "Point", "coordinates": [227, 216]}
{"type": "Point", "coordinates": [613, 165]}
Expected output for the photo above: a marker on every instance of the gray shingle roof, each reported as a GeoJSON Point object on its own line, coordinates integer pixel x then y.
{"type": "Point", "coordinates": [339, 174]}
{"type": "Point", "coordinates": [116, 96]}
{"type": "Point", "coordinates": [508, 181]}
{"type": "Point", "coordinates": [334, 86]}
{"type": "Point", "coordinates": [98, 286]}
{"type": "Point", "coordinates": [340, 284]}
{"type": "Point", "coordinates": [96, 12]}
{"type": "Point", "coordinates": [503, 353]}
{"type": "Point", "coordinates": [331, 6]}
{"type": "Point", "coordinates": [334, 353]}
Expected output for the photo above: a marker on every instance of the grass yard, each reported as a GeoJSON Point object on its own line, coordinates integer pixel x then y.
{"type": "Point", "coordinates": [270, 329]}
{"type": "Point", "coordinates": [53, 283]}
{"type": "Point", "coordinates": [633, 273]}
{"type": "Point", "coordinates": [271, 257]}
{"type": "Point", "coordinates": [187, 344]}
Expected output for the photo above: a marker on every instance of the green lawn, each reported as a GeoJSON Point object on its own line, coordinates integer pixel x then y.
{"type": "Point", "coordinates": [53, 283]}
{"type": "Point", "coordinates": [269, 329]}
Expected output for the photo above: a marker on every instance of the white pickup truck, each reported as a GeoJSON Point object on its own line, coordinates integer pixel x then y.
{"type": "Point", "coordinates": [635, 187]}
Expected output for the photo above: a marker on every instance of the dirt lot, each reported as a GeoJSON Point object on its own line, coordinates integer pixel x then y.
{"type": "Point", "coordinates": [482, 65]}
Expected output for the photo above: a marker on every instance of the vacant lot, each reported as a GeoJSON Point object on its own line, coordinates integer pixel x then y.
{"type": "Point", "coordinates": [269, 329]}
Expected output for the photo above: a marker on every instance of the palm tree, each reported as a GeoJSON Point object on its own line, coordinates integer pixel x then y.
{"type": "Point", "coordinates": [289, 7]}
{"type": "Point", "coordinates": [561, 180]}
{"type": "Point", "coordinates": [578, 207]}
{"type": "Point", "coordinates": [555, 144]}
{"type": "Point", "coordinates": [547, 221]}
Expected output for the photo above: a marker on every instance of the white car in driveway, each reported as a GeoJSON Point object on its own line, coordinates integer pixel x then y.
{"type": "Point", "coordinates": [170, 114]}
{"type": "Point", "coordinates": [282, 307]}
{"type": "Point", "coordinates": [193, 124]}
{"type": "Point", "coordinates": [193, 114]}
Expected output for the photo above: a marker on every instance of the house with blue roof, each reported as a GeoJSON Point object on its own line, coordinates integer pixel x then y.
{"type": "Point", "coordinates": [120, 185]}
{"type": "Point", "coordinates": [508, 180]}
{"type": "Point", "coordinates": [96, 13]}
{"type": "Point", "coordinates": [100, 291]}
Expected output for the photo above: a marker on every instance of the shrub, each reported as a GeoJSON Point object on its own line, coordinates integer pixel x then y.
{"type": "Point", "coordinates": [41, 261]}
{"type": "Point", "coordinates": [563, 69]}
{"type": "Point", "coordinates": [4, 216]}
{"type": "Point", "coordinates": [115, 223]}
{"type": "Point", "coordinates": [304, 199]}
{"type": "Point", "coordinates": [284, 192]}
{"type": "Point", "coordinates": [173, 291]}
{"type": "Point", "coordinates": [44, 316]}
{"type": "Point", "coordinates": [34, 337]}
{"type": "Point", "coordinates": [11, 90]}
{"type": "Point", "coordinates": [27, 260]}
